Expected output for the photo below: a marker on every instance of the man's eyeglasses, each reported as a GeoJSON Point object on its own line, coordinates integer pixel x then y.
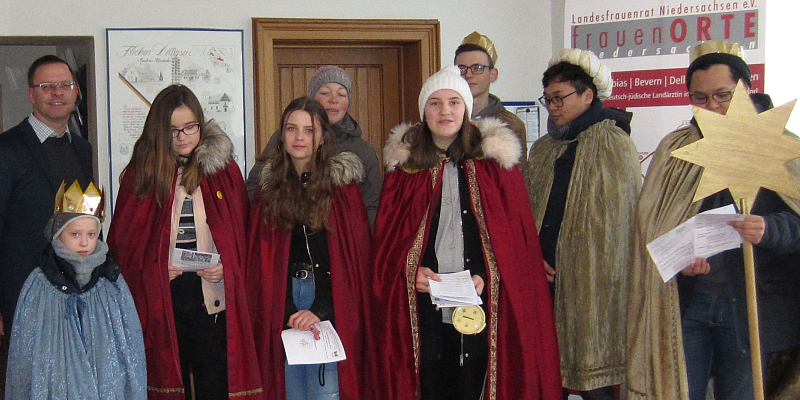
{"type": "Point", "coordinates": [719, 97]}
{"type": "Point", "coordinates": [476, 69]}
{"type": "Point", "coordinates": [557, 101]}
{"type": "Point", "coordinates": [187, 130]}
{"type": "Point", "coordinates": [51, 86]}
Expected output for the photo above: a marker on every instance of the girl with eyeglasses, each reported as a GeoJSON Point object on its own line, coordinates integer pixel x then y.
{"type": "Point", "coordinates": [182, 190]}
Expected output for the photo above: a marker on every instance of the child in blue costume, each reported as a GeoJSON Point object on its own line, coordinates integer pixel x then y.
{"type": "Point", "coordinates": [76, 333]}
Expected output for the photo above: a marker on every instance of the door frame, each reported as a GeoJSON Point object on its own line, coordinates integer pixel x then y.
{"type": "Point", "coordinates": [419, 40]}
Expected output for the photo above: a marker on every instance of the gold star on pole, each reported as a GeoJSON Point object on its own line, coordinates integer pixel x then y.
{"type": "Point", "coordinates": [743, 150]}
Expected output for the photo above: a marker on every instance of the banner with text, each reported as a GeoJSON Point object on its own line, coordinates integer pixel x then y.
{"type": "Point", "coordinates": [647, 44]}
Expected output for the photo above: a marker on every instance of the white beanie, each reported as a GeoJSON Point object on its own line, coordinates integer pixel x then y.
{"type": "Point", "coordinates": [447, 78]}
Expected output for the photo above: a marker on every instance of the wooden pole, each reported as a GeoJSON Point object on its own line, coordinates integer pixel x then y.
{"type": "Point", "coordinates": [752, 311]}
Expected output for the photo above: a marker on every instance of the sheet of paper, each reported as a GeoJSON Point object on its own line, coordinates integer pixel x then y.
{"type": "Point", "coordinates": [301, 348]}
{"type": "Point", "coordinates": [188, 260]}
{"type": "Point", "coordinates": [673, 251]}
{"type": "Point", "coordinates": [454, 290]}
{"type": "Point", "coordinates": [703, 235]}
{"type": "Point", "coordinates": [713, 235]}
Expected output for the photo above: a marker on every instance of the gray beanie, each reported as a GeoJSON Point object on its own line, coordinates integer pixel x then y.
{"type": "Point", "coordinates": [58, 222]}
{"type": "Point", "coordinates": [327, 74]}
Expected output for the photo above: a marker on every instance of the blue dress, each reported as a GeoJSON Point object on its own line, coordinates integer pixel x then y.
{"type": "Point", "coordinates": [73, 342]}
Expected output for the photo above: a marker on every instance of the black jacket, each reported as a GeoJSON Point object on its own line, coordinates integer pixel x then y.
{"type": "Point", "coordinates": [430, 318]}
{"type": "Point", "coordinates": [28, 189]}
{"type": "Point", "coordinates": [63, 276]}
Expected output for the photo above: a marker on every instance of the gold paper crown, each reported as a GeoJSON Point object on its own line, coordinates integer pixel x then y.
{"type": "Point", "coordinates": [715, 46]}
{"type": "Point", "coordinates": [74, 200]}
{"type": "Point", "coordinates": [482, 41]}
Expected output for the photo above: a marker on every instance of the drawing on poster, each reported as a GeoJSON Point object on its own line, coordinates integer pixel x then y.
{"type": "Point", "coordinates": [142, 62]}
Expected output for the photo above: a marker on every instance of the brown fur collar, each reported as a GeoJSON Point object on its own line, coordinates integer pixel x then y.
{"type": "Point", "coordinates": [498, 143]}
{"type": "Point", "coordinates": [346, 168]}
{"type": "Point", "coordinates": [215, 151]}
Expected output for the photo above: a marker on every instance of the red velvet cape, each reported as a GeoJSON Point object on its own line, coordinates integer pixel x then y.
{"type": "Point", "coordinates": [139, 237]}
{"type": "Point", "coordinates": [348, 248]}
{"type": "Point", "coordinates": [526, 350]}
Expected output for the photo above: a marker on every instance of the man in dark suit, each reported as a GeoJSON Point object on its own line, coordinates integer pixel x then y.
{"type": "Point", "coordinates": [35, 157]}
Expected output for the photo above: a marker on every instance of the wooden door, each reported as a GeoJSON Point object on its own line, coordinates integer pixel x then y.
{"type": "Point", "coordinates": [375, 97]}
{"type": "Point", "coordinates": [388, 61]}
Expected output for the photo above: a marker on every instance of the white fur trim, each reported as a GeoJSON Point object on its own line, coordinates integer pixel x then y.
{"type": "Point", "coordinates": [498, 142]}
{"type": "Point", "coordinates": [346, 168]}
{"type": "Point", "coordinates": [395, 152]}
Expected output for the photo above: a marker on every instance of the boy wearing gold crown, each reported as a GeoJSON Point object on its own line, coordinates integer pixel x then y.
{"type": "Point", "coordinates": [76, 333]}
{"type": "Point", "coordinates": [476, 58]}
{"type": "Point", "coordinates": [692, 328]}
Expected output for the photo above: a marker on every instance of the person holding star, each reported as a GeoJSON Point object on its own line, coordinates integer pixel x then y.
{"type": "Point", "coordinates": [695, 327]}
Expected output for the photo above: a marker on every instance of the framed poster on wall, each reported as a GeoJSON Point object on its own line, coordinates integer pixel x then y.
{"type": "Point", "coordinates": [142, 62]}
{"type": "Point", "coordinates": [528, 112]}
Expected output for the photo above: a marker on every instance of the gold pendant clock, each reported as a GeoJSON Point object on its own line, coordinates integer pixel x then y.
{"type": "Point", "coordinates": [469, 320]}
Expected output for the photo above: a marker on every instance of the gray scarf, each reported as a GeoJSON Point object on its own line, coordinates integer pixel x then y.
{"type": "Point", "coordinates": [557, 132]}
{"type": "Point", "coordinates": [83, 265]}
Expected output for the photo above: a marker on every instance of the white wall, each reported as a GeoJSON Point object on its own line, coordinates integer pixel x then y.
{"type": "Point", "coordinates": [782, 57]}
{"type": "Point", "coordinates": [520, 30]}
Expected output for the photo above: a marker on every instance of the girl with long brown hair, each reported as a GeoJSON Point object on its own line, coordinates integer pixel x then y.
{"type": "Point", "coordinates": [309, 247]}
{"type": "Point", "coordinates": [332, 87]}
{"type": "Point", "coordinates": [182, 190]}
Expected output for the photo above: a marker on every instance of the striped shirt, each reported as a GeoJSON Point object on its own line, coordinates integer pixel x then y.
{"type": "Point", "coordinates": [187, 236]}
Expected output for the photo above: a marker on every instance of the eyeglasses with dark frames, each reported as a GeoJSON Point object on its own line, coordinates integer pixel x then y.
{"type": "Point", "coordinates": [51, 86]}
{"type": "Point", "coordinates": [476, 69]}
{"type": "Point", "coordinates": [557, 101]}
{"type": "Point", "coordinates": [187, 130]}
{"type": "Point", "coordinates": [719, 97]}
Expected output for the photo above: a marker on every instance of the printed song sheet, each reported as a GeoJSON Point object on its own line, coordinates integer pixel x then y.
{"type": "Point", "coordinates": [191, 261]}
{"type": "Point", "coordinates": [703, 235]}
{"type": "Point", "coordinates": [301, 348]}
{"type": "Point", "coordinates": [454, 290]}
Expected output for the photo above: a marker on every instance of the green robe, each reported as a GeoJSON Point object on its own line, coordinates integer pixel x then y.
{"type": "Point", "coordinates": [593, 249]}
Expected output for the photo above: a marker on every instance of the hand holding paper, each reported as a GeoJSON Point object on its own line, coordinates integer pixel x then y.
{"type": "Point", "coordinates": [751, 228]}
{"type": "Point", "coordinates": [425, 274]}
{"type": "Point", "coordinates": [702, 236]}
{"type": "Point", "coordinates": [456, 289]}
{"type": "Point", "coordinates": [189, 260]}
{"type": "Point", "coordinates": [301, 348]}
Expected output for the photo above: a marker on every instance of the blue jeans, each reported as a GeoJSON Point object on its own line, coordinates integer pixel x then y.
{"type": "Point", "coordinates": [310, 381]}
{"type": "Point", "coordinates": [711, 349]}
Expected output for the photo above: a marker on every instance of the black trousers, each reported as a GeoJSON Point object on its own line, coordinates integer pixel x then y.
{"type": "Point", "coordinates": [603, 393]}
{"type": "Point", "coordinates": [4, 361]}
{"type": "Point", "coordinates": [202, 341]}
{"type": "Point", "coordinates": [445, 378]}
